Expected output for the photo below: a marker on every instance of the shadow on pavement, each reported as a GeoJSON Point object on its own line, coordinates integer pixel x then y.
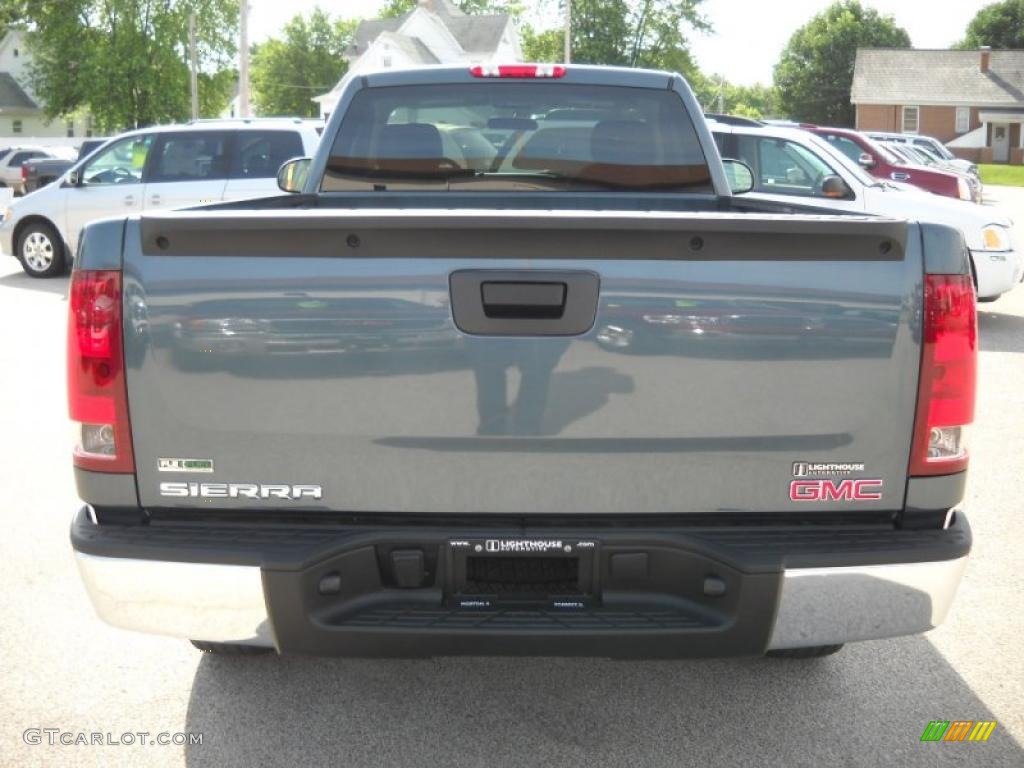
{"type": "Point", "coordinates": [55, 285]}
{"type": "Point", "coordinates": [999, 332]}
{"type": "Point", "coordinates": [866, 706]}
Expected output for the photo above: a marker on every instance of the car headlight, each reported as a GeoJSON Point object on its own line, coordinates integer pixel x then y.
{"type": "Point", "coordinates": [995, 238]}
{"type": "Point", "coordinates": [963, 188]}
{"type": "Point", "coordinates": [6, 215]}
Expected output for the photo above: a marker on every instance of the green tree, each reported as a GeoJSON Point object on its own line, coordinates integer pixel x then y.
{"type": "Point", "coordinates": [628, 33]}
{"type": "Point", "coordinates": [542, 46]}
{"type": "Point", "coordinates": [815, 71]}
{"type": "Point", "coordinates": [1000, 25]}
{"type": "Point", "coordinates": [126, 61]}
{"type": "Point", "coordinates": [308, 60]}
{"type": "Point", "coordinates": [755, 101]}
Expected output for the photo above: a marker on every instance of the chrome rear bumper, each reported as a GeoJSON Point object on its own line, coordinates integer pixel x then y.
{"type": "Point", "coordinates": [824, 606]}
{"type": "Point", "coordinates": [195, 601]}
{"type": "Point", "coordinates": [226, 603]}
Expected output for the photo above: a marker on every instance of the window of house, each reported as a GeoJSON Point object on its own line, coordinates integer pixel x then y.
{"type": "Point", "coordinates": [15, 126]}
{"type": "Point", "coordinates": [70, 128]}
{"type": "Point", "coordinates": [910, 119]}
{"type": "Point", "coordinates": [963, 119]}
{"type": "Point", "coordinates": [16, 54]}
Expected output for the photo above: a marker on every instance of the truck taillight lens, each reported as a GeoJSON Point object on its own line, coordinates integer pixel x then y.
{"type": "Point", "coordinates": [949, 362]}
{"type": "Point", "coordinates": [517, 70]}
{"type": "Point", "coordinates": [97, 395]}
{"type": "Point", "coordinates": [24, 173]}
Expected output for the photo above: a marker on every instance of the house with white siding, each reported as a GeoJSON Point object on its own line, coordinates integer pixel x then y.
{"type": "Point", "coordinates": [22, 118]}
{"type": "Point", "coordinates": [434, 32]}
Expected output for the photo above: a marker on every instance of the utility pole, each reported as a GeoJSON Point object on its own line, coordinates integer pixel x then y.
{"type": "Point", "coordinates": [243, 61]}
{"type": "Point", "coordinates": [568, 31]}
{"type": "Point", "coordinates": [193, 65]}
{"type": "Point", "coordinates": [721, 94]}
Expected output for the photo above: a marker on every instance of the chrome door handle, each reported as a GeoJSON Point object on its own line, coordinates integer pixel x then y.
{"type": "Point", "coordinates": [155, 200]}
{"type": "Point", "coordinates": [129, 200]}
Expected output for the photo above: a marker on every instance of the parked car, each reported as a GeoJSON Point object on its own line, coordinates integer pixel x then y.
{"type": "Point", "coordinates": [786, 479]}
{"type": "Point", "coordinates": [161, 168]}
{"type": "Point", "coordinates": [883, 164]}
{"type": "Point", "coordinates": [914, 155]}
{"type": "Point", "coordinates": [931, 144]}
{"type": "Point", "coordinates": [11, 161]}
{"type": "Point", "coordinates": [796, 166]}
{"type": "Point", "coordinates": [39, 172]}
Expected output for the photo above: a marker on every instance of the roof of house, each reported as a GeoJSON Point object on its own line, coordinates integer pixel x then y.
{"type": "Point", "coordinates": [476, 34]}
{"type": "Point", "coordinates": [369, 30]}
{"type": "Point", "coordinates": [12, 96]}
{"type": "Point", "coordinates": [413, 48]}
{"type": "Point", "coordinates": [915, 76]}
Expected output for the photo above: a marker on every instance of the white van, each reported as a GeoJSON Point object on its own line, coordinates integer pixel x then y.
{"type": "Point", "coordinates": [164, 167]}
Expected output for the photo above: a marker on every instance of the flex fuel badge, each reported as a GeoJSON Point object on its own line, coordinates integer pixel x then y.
{"type": "Point", "coordinates": [827, 481]}
{"type": "Point", "coordinates": [185, 465]}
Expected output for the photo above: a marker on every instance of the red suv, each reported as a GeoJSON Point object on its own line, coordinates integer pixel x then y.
{"type": "Point", "coordinates": [883, 164]}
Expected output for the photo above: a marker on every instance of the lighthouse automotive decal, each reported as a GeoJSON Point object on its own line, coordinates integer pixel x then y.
{"type": "Point", "coordinates": [827, 481]}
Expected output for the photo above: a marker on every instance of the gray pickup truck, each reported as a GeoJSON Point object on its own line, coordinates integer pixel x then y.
{"type": "Point", "coordinates": [513, 371]}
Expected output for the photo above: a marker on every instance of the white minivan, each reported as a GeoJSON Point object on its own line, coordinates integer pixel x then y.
{"type": "Point", "coordinates": [159, 168]}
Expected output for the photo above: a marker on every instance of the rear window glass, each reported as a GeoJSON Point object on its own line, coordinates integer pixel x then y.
{"type": "Point", "coordinates": [520, 136]}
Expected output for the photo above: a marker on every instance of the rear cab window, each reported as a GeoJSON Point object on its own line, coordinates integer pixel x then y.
{"type": "Point", "coordinates": [517, 136]}
{"type": "Point", "coordinates": [24, 157]}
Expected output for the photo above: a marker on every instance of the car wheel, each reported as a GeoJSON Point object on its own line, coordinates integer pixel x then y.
{"type": "Point", "coordinates": [41, 251]}
{"type": "Point", "coordinates": [231, 649]}
{"type": "Point", "coordinates": [811, 652]}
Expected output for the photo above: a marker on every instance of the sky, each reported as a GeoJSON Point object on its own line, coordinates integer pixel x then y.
{"type": "Point", "coordinates": [749, 34]}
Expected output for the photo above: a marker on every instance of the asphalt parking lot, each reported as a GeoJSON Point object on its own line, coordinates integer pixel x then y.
{"type": "Point", "coordinates": [867, 706]}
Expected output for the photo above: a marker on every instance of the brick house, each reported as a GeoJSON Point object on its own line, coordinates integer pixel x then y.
{"type": "Point", "coordinates": [973, 100]}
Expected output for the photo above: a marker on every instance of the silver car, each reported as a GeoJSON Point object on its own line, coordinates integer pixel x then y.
{"type": "Point", "coordinates": [160, 168]}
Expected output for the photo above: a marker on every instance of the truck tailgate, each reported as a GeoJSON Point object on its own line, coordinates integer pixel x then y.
{"type": "Point", "coordinates": [598, 362]}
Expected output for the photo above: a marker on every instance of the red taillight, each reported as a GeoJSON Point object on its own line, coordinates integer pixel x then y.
{"type": "Point", "coordinates": [24, 173]}
{"type": "Point", "coordinates": [517, 70]}
{"type": "Point", "coordinates": [97, 395]}
{"type": "Point", "coordinates": [949, 362]}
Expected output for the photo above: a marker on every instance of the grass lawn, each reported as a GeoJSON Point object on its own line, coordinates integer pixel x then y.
{"type": "Point", "coordinates": [1005, 175]}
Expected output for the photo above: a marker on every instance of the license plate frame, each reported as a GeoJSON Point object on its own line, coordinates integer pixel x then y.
{"type": "Point", "coordinates": [584, 552]}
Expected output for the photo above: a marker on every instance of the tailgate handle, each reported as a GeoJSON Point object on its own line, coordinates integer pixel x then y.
{"type": "Point", "coordinates": [524, 302]}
